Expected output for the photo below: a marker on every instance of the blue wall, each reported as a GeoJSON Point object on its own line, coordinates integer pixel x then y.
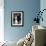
{"type": "Point", "coordinates": [43, 6]}
{"type": "Point", "coordinates": [30, 7]}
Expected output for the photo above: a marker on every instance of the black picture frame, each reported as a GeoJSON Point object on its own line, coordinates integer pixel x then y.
{"type": "Point", "coordinates": [17, 18]}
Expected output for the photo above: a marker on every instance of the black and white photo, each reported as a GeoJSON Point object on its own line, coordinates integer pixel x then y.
{"type": "Point", "coordinates": [17, 18]}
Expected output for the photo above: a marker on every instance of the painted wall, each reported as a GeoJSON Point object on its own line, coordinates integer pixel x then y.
{"type": "Point", "coordinates": [30, 7]}
{"type": "Point", "coordinates": [43, 6]}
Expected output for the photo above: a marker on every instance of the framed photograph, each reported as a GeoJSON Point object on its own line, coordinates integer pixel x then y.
{"type": "Point", "coordinates": [17, 18]}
